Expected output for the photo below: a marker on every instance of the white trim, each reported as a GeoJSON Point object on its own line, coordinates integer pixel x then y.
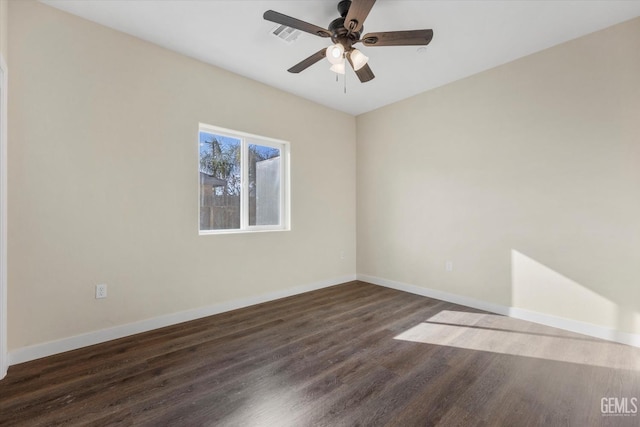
{"type": "Point", "coordinates": [4, 356]}
{"type": "Point", "coordinates": [577, 326]}
{"type": "Point", "coordinates": [244, 185]}
{"type": "Point", "coordinates": [37, 351]}
{"type": "Point", "coordinates": [572, 325]}
{"type": "Point", "coordinates": [432, 293]}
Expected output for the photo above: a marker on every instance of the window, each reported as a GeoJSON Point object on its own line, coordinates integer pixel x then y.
{"type": "Point", "coordinates": [244, 182]}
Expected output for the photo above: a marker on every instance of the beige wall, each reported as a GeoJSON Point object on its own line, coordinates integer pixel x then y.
{"type": "Point", "coordinates": [526, 176]}
{"type": "Point", "coordinates": [103, 181]}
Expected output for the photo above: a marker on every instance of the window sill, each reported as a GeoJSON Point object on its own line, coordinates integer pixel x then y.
{"type": "Point", "coordinates": [252, 231]}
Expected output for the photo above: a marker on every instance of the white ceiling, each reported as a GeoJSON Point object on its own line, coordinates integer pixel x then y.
{"type": "Point", "coordinates": [469, 37]}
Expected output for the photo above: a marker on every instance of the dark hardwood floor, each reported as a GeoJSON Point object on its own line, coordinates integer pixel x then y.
{"type": "Point", "coordinates": [354, 354]}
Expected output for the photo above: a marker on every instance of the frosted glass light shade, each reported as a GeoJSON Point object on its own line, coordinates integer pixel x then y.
{"type": "Point", "coordinates": [358, 59]}
{"type": "Point", "coordinates": [335, 53]}
{"type": "Point", "coordinates": [338, 68]}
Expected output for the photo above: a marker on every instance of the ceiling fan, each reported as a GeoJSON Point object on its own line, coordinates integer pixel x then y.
{"type": "Point", "coordinates": [344, 33]}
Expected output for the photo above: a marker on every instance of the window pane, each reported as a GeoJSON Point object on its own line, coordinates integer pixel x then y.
{"type": "Point", "coordinates": [219, 182]}
{"type": "Point", "coordinates": [264, 185]}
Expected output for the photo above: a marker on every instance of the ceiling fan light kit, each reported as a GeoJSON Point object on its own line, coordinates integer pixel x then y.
{"type": "Point", "coordinates": [338, 68]}
{"type": "Point", "coordinates": [335, 53]}
{"type": "Point", "coordinates": [344, 33]}
{"type": "Point", "coordinates": [358, 59]}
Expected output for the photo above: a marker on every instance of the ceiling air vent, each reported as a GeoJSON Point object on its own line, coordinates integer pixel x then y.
{"type": "Point", "coordinates": [285, 33]}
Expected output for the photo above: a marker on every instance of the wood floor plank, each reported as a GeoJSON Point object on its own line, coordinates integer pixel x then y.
{"type": "Point", "coordinates": [353, 354]}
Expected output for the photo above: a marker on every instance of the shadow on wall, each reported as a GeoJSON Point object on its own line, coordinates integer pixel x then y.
{"type": "Point", "coordinates": [536, 287]}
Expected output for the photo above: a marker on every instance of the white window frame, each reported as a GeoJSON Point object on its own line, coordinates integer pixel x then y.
{"type": "Point", "coordinates": [247, 139]}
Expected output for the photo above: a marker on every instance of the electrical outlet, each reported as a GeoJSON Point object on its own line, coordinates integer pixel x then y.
{"type": "Point", "coordinates": [342, 255]}
{"type": "Point", "coordinates": [101, 291]}
{"type": "Point", "coordinates": [448, 266]}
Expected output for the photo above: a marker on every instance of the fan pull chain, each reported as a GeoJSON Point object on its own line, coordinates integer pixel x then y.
{"type": "Point", "coordinates": [345, 82]}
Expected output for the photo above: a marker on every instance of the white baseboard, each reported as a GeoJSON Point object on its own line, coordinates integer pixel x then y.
{"type": "Point", "coordinates": [432, 293]}
{"type": "Point", "coordinates": [571, 325]}
{"type": "Point", "coordinates": [577, 326]}
{"type": "Point", "coordinates": [37, 351]}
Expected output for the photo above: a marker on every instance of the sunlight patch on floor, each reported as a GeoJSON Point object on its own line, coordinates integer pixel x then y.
{"type": "Point", "coordinates": [505, 335]}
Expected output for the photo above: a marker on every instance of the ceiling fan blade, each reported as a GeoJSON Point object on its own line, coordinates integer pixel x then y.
{"type": "Point", "coordinates": [398, 38]}
{"type": "Point", "coordinates": [306, 63]}
{"type": "Point", "coordinates": [279, 18]}
{"type": "Point", "coordinates": [364, 74]}
{"type": "Point", "coordinates": [358, 12]}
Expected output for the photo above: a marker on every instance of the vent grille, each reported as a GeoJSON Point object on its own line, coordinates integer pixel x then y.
{"type": "Point", "coordinates": [285, 33]}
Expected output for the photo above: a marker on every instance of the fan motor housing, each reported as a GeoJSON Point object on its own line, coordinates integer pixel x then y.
{"type": "Point", "coordinates": [339, 34]}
